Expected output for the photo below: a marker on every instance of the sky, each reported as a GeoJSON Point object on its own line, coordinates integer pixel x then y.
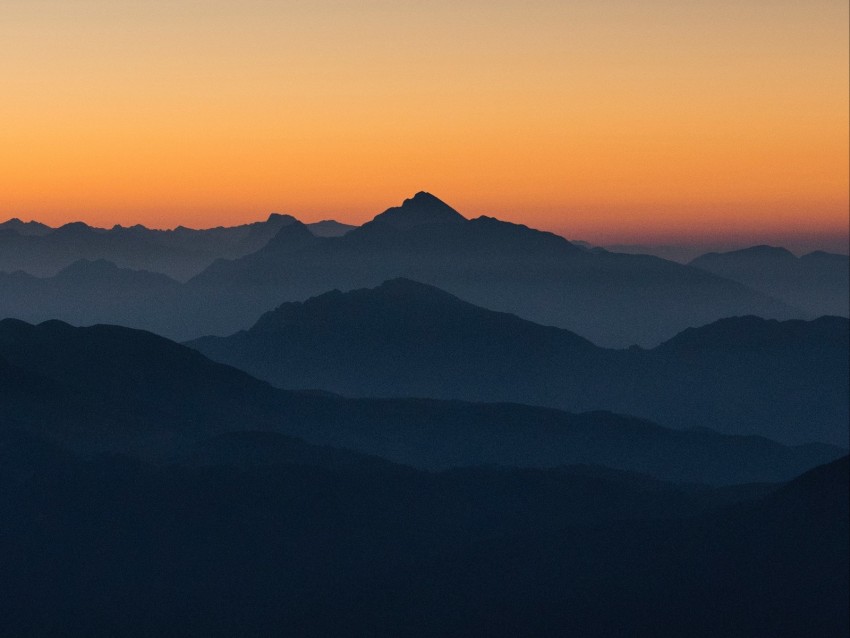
{"type": "Point", "coordinates": [606, 120]}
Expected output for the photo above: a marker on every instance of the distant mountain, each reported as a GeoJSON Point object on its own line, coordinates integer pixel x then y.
{"type": "Point", "coordinates": [114, 389]}
{"type": "Point", "coordinates": [818, 282]}
{"type": "Point", "coordinates": [679, 253]}
{"type": "Point", "coordinates": [43, 251]}
{"type": "Point", "coordinates": [31, 229]}
{"type": "Point", "coordinates": [612, 299]}
{"type": "Point", "coordinates": [88, 292]}
{"type": "Point", "coordinates": [423, 209]}
{"type": "Point", "coordinates": [785, 380]}
{"type": "Point", "coordinates": [329, 228]}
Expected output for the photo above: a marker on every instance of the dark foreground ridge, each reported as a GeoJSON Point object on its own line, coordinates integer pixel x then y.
{"type": "Point", "coordinates": [113, 389]}
{"type": "Point", "coordinates": [146, 490]}
{"type": "Point", "coordinates": [254, 531]}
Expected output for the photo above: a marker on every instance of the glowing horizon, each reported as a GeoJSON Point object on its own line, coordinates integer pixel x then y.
{"type": "Point", "coordinates": [607, 121]}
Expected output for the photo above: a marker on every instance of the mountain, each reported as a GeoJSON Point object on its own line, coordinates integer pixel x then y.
{"type": "Point", "coordinates": [786, 380]}
{"type": "Point", "coordinates": [108, 388]}
{"type": "Point", "coordinates": [146, 490]}
{"type": "Point", "coordinates": [19, 227]}
{"type": "Point", "coordinates": [317, 545]}
{"type": "Point", "coordinates": [43, 251]}
{"type": "Point", "coordinates": [423, 209]}
{"type": "Point", "coordinates": [610, 298]}
{"type": "Point", "coordinates": [817, 282]}
{"type": "Point", "coordinates": [88, 292]}
{"type": "Point", "coordinates": [329, 228]}
{"type": "Point", "coordinates": [774, 566]}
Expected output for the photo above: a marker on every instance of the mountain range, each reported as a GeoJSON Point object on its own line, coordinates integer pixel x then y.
{"type": "Point", "coordinates": [113, 389]}
{"type": "Point", "coordinates": [254, 531]}
{"type": "Point", "coordinates": [817, 282]}
{"type": "Point", "coordinates": [40, 250]}
{"type": "Point", "coordinates": [609, 298]}
{"type": "Point", "coordinates": [785, 380]}
{"type": "Point", "coordinates": [458, 440]}
{"type": "Point", "coordinates": [612, 299]}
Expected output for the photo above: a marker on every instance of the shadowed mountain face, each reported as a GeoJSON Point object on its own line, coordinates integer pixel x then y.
{"type": "Point", "coordinates": [254, 532]}
{"type": "Point", "coordinates": [146, 490]}
{"type": "Point", "coordinates": [180, 253]}
{"type": "Point", "coordinates": [818, 282]}
{"type": "Point", "coordinates": [785, 380]}
{"type": "Point", "coordinates": [108, 388]}
{"type": "Point", "coordinates": [423, 209]}
{"type": "Point", "coordinates": [613, 299]}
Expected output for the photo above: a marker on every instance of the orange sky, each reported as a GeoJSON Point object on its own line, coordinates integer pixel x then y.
{"type": "Point", "coordinates": [608, 120]}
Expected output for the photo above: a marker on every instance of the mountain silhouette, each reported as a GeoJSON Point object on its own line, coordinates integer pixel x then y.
{"type": "Point", "coordinates": [745, 375]}
{"type": "Point", "coordinates": [108, 388]}
{"type": "Point", "coordinates": [88, 292]}
{"type": "Point", "coordinates": [330, 228]}
{"type": "Point", "coordinates": [421, 209]}
{"type": "Point", "coordinates": [180, 253]}
{"type": "Point", "coordinates": [461, 438]}
{"type": "Point", "coordinates": [18, 227]}
{"type": "Point", "coordinates": [817, 282]}
{"type": "Point", "coordinates": [612, 299]}
{"type": "Point", "coordinates": [252, 532]}
{"type": "Point", "coordinates": [147, 490]}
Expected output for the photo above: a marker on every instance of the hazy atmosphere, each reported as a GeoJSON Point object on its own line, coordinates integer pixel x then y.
{"type": "Point", "coordinates": [424, 319]}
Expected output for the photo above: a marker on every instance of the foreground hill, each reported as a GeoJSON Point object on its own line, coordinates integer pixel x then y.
{"type": "Point", "coordinates": [113, 389]}
{"type": "Point", "coordinates": [314, 545]}
{"type": "Point", "coordinates": [817, 282]}
{"type": "Point", "coordinates": [146, 490]}
{"type": "Point", "coordinates": [179, 253]}
{"type": "Point", "coordinates": [785, 380]}
{"type": "Point", "coordinates": [776, 566]}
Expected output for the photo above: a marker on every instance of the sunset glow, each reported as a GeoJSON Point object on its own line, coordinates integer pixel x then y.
{"type": "Point", "coordinates": [606, 120]}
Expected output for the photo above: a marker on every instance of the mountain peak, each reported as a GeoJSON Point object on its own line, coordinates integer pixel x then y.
{"type": "Point", "coordinates": [421, 209]}
{"type": "Point", "coordinates": [280, 217]}
{"type": "Point", "coordinates": [424, 198]}
{"type": "Point", "coordinates": [74, 229]}
{"type": "Point", "coordinates": [291, 234]}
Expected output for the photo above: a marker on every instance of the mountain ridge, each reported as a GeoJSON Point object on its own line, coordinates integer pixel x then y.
{"type": "Point", "coordinates": [506, 267]}
{"type": "Point", "coordinates": [181, 252]}
{"type": "Point", "coordinates": [113, 389]}
{"type": "Point", "coordinates": [783, 379]}
{"type": "Point", "coordinates": [612, 299]}
{"type": "Point", "coordinates": [818, 282]}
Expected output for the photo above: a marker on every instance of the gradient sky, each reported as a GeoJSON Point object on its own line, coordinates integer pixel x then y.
{"type": "Point", "coordinates": [607, 120]}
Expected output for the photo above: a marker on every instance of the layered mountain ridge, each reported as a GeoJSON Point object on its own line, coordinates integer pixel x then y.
{"type": "Point", "coordinates": [786, 380]}
{"type": "Point", "coordinates": [40, 250]}
{"type": "Point", "coordinates": [113, 389]}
